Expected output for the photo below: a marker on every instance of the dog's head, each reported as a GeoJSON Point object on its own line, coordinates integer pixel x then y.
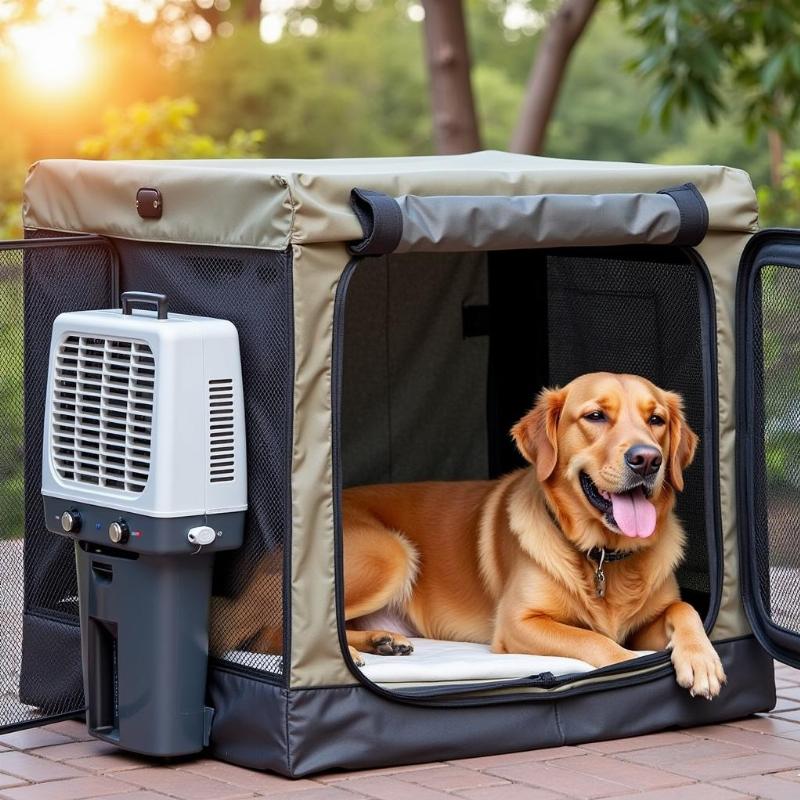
{"type": "Point", "coordinates": [610, 449]}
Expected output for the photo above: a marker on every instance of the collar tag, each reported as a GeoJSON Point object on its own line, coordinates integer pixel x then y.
{"type": "Point", "coordinates": [599, 574]}
{"type": "Point", "coordinates": [600, 583]}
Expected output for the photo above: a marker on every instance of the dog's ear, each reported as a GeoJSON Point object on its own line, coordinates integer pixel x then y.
{"type": "Point", "coordinates": [536, 433]}
{"type": "Point", "coordinates": [682, 441]}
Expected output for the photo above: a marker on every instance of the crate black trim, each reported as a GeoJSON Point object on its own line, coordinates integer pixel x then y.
{"type": "Point", "coordinates": [708, 323]}
{"type": "Point", "coordinates": [775, 247]}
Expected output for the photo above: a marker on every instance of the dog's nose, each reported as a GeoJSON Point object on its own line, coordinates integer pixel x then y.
{"type": "Point", "coordinates": [643, 459]}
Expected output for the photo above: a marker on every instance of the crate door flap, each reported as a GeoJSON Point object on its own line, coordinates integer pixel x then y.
{"type": "Point", "coordinates": [768, 439]}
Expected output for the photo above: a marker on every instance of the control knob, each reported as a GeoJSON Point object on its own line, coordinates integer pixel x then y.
{"type": "Point", "coordinates": [119, 532]}
{"type": "Point", "coordinates": [71, 521]}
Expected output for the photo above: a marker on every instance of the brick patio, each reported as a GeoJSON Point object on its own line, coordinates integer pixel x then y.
{"type": "Point", "coordinates": [754, 757]}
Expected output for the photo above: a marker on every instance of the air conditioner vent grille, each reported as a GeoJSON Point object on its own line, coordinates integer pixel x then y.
{"type": "Point", "coordinates": [221, 466]}
{"type": "Point", "coordinates": [102, 412]}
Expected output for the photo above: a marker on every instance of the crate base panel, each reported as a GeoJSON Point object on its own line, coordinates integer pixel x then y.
{"type": "Point", "coordinates": [300, 732]}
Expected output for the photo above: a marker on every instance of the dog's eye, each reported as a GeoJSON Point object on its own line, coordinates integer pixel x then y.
{"type": "Point", "coordinates": [656, 420]}
{"type": "Point", "coordinates": [595, 416]}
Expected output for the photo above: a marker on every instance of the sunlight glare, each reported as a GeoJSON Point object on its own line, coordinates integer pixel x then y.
{"type": "Point", "coordinates": [51, 56]}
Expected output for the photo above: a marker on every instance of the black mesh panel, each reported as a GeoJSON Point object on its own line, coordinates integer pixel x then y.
{"type": "Point", "coordinates": [41, 667]}
{"type": "Point", "coordinates": [252, 289]}
{"type": "Point", "coordinates": [776, 489]}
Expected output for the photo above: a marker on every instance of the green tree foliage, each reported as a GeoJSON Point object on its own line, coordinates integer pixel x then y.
{"type": "Point", "coordinates": [600, 93]}
{"type": "Point", "coordinates": [697, 50]}
{"type": "Point", "coordinates": [165, 129]}
{"type": "Point", "coordinates": [357, 89]}
{"type": "Point", "coordinates": [780, 205]}
{"type": "Point", "coordinates": [12, 175]}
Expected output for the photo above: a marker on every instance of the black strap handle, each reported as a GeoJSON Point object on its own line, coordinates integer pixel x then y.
{"type": "Point", "coordinates": [130, 299]}
{"type": "Point", "coordinates": [693, 212]}
{"type": "Point", "coordinates": [381, 223]}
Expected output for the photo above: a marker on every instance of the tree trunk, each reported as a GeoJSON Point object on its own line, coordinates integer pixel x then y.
{"type": "Point", "coordinates": [775, 157]}
{"type": "Point", "coordinates": [252, 11]}
{"type": "Point", "coordinates": [455, 123]}
{"type": "Point", "coordinates": [547, 74]}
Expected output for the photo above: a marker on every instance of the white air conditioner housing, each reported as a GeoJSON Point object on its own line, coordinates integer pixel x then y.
{"type": "Point", "coordinates": [145, 414]}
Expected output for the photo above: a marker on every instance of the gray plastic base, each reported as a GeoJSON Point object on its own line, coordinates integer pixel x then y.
{"type": "Point", "coordinates": [144, 646]}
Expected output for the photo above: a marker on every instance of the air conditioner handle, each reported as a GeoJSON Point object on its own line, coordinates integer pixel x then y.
{"type": "Point", "coordinates": [130, 299]}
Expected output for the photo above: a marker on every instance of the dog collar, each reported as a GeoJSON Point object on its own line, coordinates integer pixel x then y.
{"type": "Point", "coordinates": [599, 556]}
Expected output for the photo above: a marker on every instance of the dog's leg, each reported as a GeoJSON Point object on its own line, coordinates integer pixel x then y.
{"type": "Point", "coordinates": [269, 640]}
{"type": "Point", "coordinates": [680, 629]}
{"type": "Point", "coordinates": [382, 643]}
{"type": "Point", "coordinates": [541, 635]}
{"type": "Point", "coordinates": [254, 615]}
{"type": "Point", "coordinates": [380, 566]}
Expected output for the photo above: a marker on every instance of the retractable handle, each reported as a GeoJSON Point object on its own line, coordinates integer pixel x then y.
{"type": "Point", "coordinates": [131, 299]}
{"type": "Point", "coordinates": [677, 216]}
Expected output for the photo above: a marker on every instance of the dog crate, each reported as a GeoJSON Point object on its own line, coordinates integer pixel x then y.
{"type": "Point", "coordinates": [395, 318]}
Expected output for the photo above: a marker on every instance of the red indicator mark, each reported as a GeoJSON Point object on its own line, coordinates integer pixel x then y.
{"type": "Point", "coordinates": [136, 533]}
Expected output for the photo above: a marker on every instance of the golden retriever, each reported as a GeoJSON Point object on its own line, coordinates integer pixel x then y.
{"type": "Point", "coordinates": [572, 556]}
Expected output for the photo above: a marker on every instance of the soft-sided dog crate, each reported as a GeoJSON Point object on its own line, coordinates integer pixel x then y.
{"type": "Point", "coordinates": [383, 309]}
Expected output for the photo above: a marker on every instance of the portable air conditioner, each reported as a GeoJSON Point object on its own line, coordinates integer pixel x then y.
{"type": "Point", "coordinates": [144, 467]}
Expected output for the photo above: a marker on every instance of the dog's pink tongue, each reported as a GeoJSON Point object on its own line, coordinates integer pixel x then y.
{"type": "Point", "coordinates": [635, 516]}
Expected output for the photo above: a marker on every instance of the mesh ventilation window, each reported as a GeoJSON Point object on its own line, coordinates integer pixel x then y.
{"type": "Point", "coordinates": [221, 433]}
{"type": "Point", "coordinates": [102, 412]}
{"type": "Point", "coordinates": [40, 668]}
{"type": "Point", "coordinates": [776, 415]}
{"type": "Point", "coordinates": [252, 289]}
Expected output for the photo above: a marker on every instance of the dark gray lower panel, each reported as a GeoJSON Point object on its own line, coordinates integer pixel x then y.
{"type": "Point", "coordinates": [250, 721]}
{"type": "Point", "coordinates": [301, 732]}
{"type": "Point", "coordinates": [50, 677]}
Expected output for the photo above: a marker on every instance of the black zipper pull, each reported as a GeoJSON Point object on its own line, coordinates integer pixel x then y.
{"type": "Point", "coordinates": [545, 679]}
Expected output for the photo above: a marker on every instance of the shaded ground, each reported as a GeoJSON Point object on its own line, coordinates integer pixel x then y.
{"type": "Point", "coordinates": [754, 757]}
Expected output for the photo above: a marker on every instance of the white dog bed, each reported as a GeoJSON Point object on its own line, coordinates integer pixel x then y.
{"type": "Point", "coordinates": [435, 661]}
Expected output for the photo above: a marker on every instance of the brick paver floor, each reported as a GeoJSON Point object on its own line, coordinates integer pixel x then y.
{"type": "Point", "coordinates": [754, 757]}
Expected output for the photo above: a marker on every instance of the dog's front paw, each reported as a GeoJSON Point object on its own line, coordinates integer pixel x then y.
{"type": "Point", "coordinates": [698, 669]}
{"type": "Point", "coordinates": [391, 644]}
{"type": "Point", "coordinates": [358, 659]}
